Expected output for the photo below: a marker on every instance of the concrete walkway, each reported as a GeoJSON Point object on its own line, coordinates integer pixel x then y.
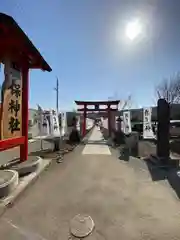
{"type": "Point", "coordinates": [123, 202]}
{"type": "Point", "coordinates": [96, 144]}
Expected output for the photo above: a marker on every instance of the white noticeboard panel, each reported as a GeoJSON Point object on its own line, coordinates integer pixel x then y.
{"type": "Point", "coordinates": [44, 125]}
{"type": "Point", "coordinates": [54, 124]}
{"type": "Point", "coordinates": [117, 123]}
{"type": "Point", "coordinates": [122, 124]}
{"type": "Point", "coordinates": [147, 125]}
{"type": "Point", "coordinates": [63, 123]}
{"type": "Point", "coordinates": [78, 123]}
{"type": "Point", "coordinates": [127, 122]}
{"type": "Point", "coordinates": [43, 122]}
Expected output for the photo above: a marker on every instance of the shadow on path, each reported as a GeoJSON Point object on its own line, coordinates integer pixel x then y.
{"type": "Point", "coordinates": [157, 171]}
{"type": "Point", "coordinates": [171, 174]}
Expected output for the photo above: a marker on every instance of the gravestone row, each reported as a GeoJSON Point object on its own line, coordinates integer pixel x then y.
{"type": "Point", "coordinates": [123, 124]}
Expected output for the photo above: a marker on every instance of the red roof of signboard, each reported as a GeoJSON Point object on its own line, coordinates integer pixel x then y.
{"type": "Point", "coordinates": [16, 44]}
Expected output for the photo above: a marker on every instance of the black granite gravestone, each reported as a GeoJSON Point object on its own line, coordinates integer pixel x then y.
{"type": "Point", "coordinates": [163, 116]}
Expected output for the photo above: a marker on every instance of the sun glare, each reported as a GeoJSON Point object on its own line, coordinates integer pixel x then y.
{"type": "Point", "coordinates": [133, 29]}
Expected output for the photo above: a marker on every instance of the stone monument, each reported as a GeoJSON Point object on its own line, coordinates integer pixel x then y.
{"type": "Point", "coordinates": [163, 115]}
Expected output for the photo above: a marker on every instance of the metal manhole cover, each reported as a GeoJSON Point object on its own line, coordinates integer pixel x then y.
{"type": "Point", "coordinates": [81, 225]}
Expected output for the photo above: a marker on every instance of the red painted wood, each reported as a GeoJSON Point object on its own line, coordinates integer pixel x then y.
{"type": "Point", "coordinates": [95, 110]}
{"type": "Point", "coordinates": [15, 44]}
{"type": "Point", "coordinates": [25, 113]}
{"type": "Point", "coordinates": [11, 142]}
{"type": "Point", "coordinates": [14, 41]}
{"type": "Point", "coordinates": [116, 102]}
{"type": "Point", "coordinates": [109, 120]}
{"type": "Point", "coordinates": [84, 123]}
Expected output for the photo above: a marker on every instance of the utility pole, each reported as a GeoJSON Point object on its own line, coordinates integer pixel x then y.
{"type": "Point", "coordinates": [57, 95]}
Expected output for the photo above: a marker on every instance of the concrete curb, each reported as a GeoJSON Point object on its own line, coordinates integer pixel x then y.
{"type": "Point", "coordinates": [7, 187]}
{"type": "Point", "coordinates": [24, 183]}
{"type": "Point", "coordinates": [28, 166]}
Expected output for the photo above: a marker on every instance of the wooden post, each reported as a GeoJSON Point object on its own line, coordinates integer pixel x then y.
{"type": "Point", "coordinates": [84, 121]}
{"type": "Point", "coordinates": [25, 112]}
{"type": "Point", "coordinates": [109, 120]}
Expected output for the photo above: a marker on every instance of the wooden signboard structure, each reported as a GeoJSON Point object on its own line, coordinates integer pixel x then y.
{"type": "Point", "coordinates": [19, 52]}
{"type": "Point", "coordinates": [97, 108]}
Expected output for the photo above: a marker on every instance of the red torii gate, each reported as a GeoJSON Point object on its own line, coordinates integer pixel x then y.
{"type": "Point", "coordinates": [97, 108]}
{"type": "Point", "coordinates": [16, 46]}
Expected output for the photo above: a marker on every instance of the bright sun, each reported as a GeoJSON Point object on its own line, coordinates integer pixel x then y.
{"type": "Point", "coordinates": [133, 29]}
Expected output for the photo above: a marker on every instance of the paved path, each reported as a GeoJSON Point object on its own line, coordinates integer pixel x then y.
{"type": "Point", "coordinates": [123, 202]}
{"type": "Point", "coordinates": [96, 144]}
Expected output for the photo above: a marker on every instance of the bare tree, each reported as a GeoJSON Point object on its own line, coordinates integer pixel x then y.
{"type": "Point", "coordinates": [169, 89]}
{"type": "Point", "coordinates": [126, 104]}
